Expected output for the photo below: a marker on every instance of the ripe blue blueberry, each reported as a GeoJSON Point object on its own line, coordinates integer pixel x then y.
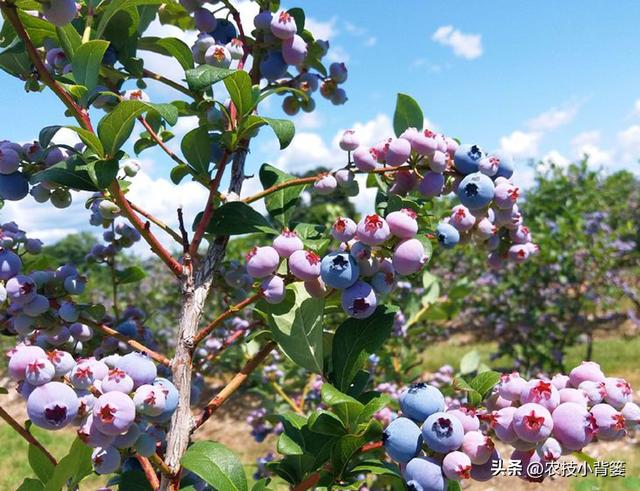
{"type": "Point", "coordinates": [467, 158]}
{"type": "Point", "coordinates": [273, 66]}
{"type": "Point", "coordinates": [448, 235]}
{"type": "Point", "coordinates": [432, 184]}
{"type": "Point", "coordinates": [424, 474]}
{"type": "Point", "coordinates": [139, 367]}
{"type": "Point", "coordinates": [442, 432]}
{"type": "Point", "coordinates": [339, 270]}
{"type": "Point", "coordinates": [13, 187]}
{"type": "Point", "coordinates": [52, 406]}
{"type": "Point", "coordinates": [205, 21]}
{"type": "Point", "coordinates": [105, 460]}
{"type": "Point", "coordinates": [224, 32]}
{"type": "Point", "coordinates": [9, 160]}
{"type": "Point", "coordinates": [10, 264]}
{"type": "Point", "coordinates": [128, 439]}
{"type": "Point", "coordinates": [421, 400]}
{"type": "Point", "coordinates": [145, 445]}
{"type": "Point", "coordinates": [338, 72]}
{"type": "Point", "coordinates": [476, 191]}
{"type": "Point", "coordinates": [262, 21]}
{"type": "Point", "coordinates": [402, 440]}
{"type": "Point", "coordinates": [359, 300]}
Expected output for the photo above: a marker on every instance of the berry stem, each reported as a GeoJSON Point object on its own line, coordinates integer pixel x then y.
{"type": "Point", "coordinates": [149, 472]}
{"type": "Point", "coordinates": [143, 229]}
{"type": "Point", "coordinates": [24, 433]}
{"type": "Point", "coordinates": [204, 332]}
{"type": "Point", "coordinates": [169, 83]}
{"type": "Point", "coordinates": [160, 464]}
{"type": "Point", "coordinates": [235, 383]}
{"type": "Point", "coordinates": [154, 136]}
{"type": "Point", "coordinates": [175, 235]}
{"type": "Point", "coordinates": [279, 186]}
{"type": "Point", "coordinates": [10, 11]}
{"type": "Point", "coordinates": [280, 391]}
{"type": "Point", "coordinates": [131, 342]}
{"type": "Point", "coordinates": [208, 210]}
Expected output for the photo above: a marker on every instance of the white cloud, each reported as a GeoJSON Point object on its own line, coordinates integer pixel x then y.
{"type": "Point", "coordinates": [468, 46]}
{"type": "Point", "coordinates": [636, 108]}
{"type": "Point", "coordinates": [629, 142]}
{"type": "Point", "coordinates": [371, 41]}
{"type": "Point", "coordinates": [325, 30]}
{"type": "Point", "coordinates": [586, 138]}
{"type": "Point", "coordinates": [553, 157]}
{"type": "Point", "coordinates": [353, 29]}
{"type": "Point", "coordinates": [597, 156]}
{"type": "Point", "coordinates": [308, 121]}
{"type": "Point", "coordinates": [554, 117]}
{"type": "Point", "coordinates": [306, 151]}
{"type": "Point", "coordinates": [521, 144]}
{"type": "Point", "coordinates": [339, 54]}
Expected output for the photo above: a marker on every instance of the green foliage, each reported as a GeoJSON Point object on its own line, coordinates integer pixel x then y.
{"type": "Point", "coordinates": [236, 218]}
{"type": "Point", "coordinates": [407, 114]}
{"type": "Point", "coordinates": [216, 465]}
{"type": "Point", "coordinates": [280, 204]}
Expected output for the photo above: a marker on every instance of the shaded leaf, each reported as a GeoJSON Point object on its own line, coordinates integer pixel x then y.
{"type": "Point", "coordinates": [407, 114]}
{"type": "Point", "coordinates": [217, 465]}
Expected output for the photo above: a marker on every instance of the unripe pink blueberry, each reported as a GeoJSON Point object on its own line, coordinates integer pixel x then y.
{"type": "Point", "coordinates": [359, 300]}
{"type": "Point", "coordinates": [409, 257]}
{"type": "Point", "coordinates": [587, 370]}
{"type": "Point", "coordinates": [573, 426]}
{"type": "Point", "coordinates": [631, 413]}
{"type": "Point", "coordinates": [149, 400]}
{"type": "Point", "coordinates": [117, 380]}
{"type": "Point", "coordinates": [262, 261]}
{"type": "Point", "coordinates": [316, 288]}
{"type": "Point", "coordinates": [506, 195]}
{"type": "Point", "coordinates": [618, 392]}
{"type": "Point", "coordinates": [526, 458]}
{"type": "Point", "coordinates": [532, 422]}
{"type": "Point", "coordinates": [92, 436]}
{"type": "Point", "coordinates": [477, 446]}
{"type": "Point", "coordinates": [595, 391]}
{"type": "Point", "coordinates": [343, 229]}
{"type": "Point", "coordinates": [485, 229]}
{"type": "Point", "coordinates": [304, 265]}
{"type": "Point", "coordinates": [425, 143]}
{"type": "Point", "coordinates": [349, 141]}
{"type": "Point", "coordinates": [495, 402]}
{"type": "Point", "coordinates": [461, 218]}
{"type": "Point", "coordinates": [577, 396]}
{"type": "Point", "coordinates": [404, 182]}
{"type": "Point", "coordinates": [373, 229]}
{"type": "Point", "coordinates": [82, 376]}
{"type": "Point", "coordinates": [20, 359]}
{"type": "Point", "coordinates": [273, 289]}
{"type": "Point", "coordinates": [540, 392]}
{"type": "Point", "coordinates": [403, 223]}
{"type": "Point", "coordinates": [560, 381]}
{"type": "Point", "coordinates": [105, 460]}
{"type": "Point", "coordinates": [398, 151]}
{"type": "Point", "coordinates": [549, 450]}
{"type": "Point", "coordinates": [326, 184]}
{"type": "Point", "coordinates": [467, 416]}
{"type": "Point", "coordinates": [438, 162]}
{"type": "Point", "coordinates": [86, 400]}
{"type": "Point", "coordinates": [502, 424]}
{"type": "Point", "coordinates": [520, 235]}
{"type": "Point", "coordinates": [519, 253]}
{"type": "Point", "coordinates": [364, 159]}
{"type": "Point", "coordinates": [62, 362]}
{"type": "Point", "coordinates": [52, 406]}
{"type": "Point", "coordinates": [511, 386]}
{"type": "Point", "coordinates": [610, 423]}
{"type": "Point", "coordinates": [484, 472]}
{"type": "Point", "coordinates": [287, 243]}
{"type": "Point", "coordinates": [283, 25]}
{"type": "Point", "coordinates": [40, 371]}
{"type": "Point", "coordinates": [113, 413]}
{"type": "Point", "coordinates": [456, 466]}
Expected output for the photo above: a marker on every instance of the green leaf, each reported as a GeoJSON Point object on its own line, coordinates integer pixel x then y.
{"type": "Point", "coordinates": [169, 112]}
{"type": "Point", "coordinates": [473, 395]}
{"type": "Point", "coordinates": [65, 173]}
{"type": "Point", "coordinates": [69, 39]}
{"type": "Point", "coordinates": [46, 135]}
{"type": "Point", "coordinates": [354, 338]}
{"type": "Point", "coordinates": [349, 445]}
{"type": "Point", "coordinates": [346, 407]}
{"type": "Point", "coordinates": [453, 485]}
{"type": "Point", "coordinates": [205, 76]}
{"type": "Point", "coordinates": [38, 29]}
{"type": "Point", "coordinates": [299, 17]}
{"type": "Point", "coordinates": [372, 407]}
{"type": "Point", "coordinates": [15, 61]}
{"type": "Point", "coordinates": [469, 362]}
{"type": "Point", "coordinates": [484, 382]}
{"type": "Point", "coordinates": [196, 148]}
{"type": "Point", "coordinates": [116, 5]}
{"type": "Point", "coordinates": [282, 203]}
{"type": "Point", "coordinates": [261, 485]}
{"type": "Point", "coordinates": [179, 172]}
{"type": "Point", "coordinates": [103, 172]}
{"type": "Point", "coordinates": [239, 85]}
{"type": "Point", "coordinates": [86, 62]}
{"type": "Point", "coordinates": [115, 127]}
{"type": "Point", "coordinates": [217, 465]}
{"type": "Point", "coordinates": [130, 275]}
{"type": "Point", "coordinates": [237, 218]}
{"type": "Point", "coordinates": [131, 481]}
{"type": "Point", "coordinates": [284, 129]}
{"type": "Point", "coordinates": [89, 139]}
{"type": "Point", "coordinates": [376, 467]}
{"type": "Point", "coordinates": [30, 484]}
{"type": "Point", "coordinates": [407, 115]}
{"type": "Point", "coordinates": [326, 423]}
{"type": "Point", "coordinates": [40, 464]}
{"type": "Point", "coordinates": [169, 47]}
{"type": "Point", "coordinates": [73, 467]}
{"type": "Point", "coordinates": [296, 325]}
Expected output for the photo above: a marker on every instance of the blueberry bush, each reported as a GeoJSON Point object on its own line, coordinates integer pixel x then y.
{"type": "Point", "coordinates": [311, 298]}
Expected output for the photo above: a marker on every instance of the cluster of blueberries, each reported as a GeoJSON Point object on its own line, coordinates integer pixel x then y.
{"type": "Point", "coordinates": [115, 396]}
{"type": "Point", "coordinates": [218, 45]}
{"type": "Point", "coordinates": [487, 213]}
{"type": "Point", "coordinates": [375, 249]}
{"type": "Point", "coordinates": [541, 419]}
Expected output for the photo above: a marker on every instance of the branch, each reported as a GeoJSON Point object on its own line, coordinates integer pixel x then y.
{"type": "Point", "coordinates": [24, 433]}
{"type": "Point", "coordinates": [131, 342]}
{"type": "Point", "coordinates": [154, 136]}
{"type": "Point", "coordinates": [175, 235]}
{"type": "Point", "coordinates": [80, 114]}
{"type": "Point", "coordinates": [279, 186]}
{"type": "Point", "coordinates": [204, 332]}
{"type": "Point", "coordinates": [143, 228]}
{"type": "Point", "coordinates": [235, 383]}
{"type": "Point", "coordinates": [184, 236]}
{"type": "Point", "coordinates": [160, 464]}
{"type": "Point", "coordinates": [149, 472]}
{"type": "Point", "coordinates": [170, 83]}
{"type": "Point", "coordinates": [280, 391]}
{"type": "Point", "coordinates": [208, 210]}
{"type": "Point", "coordinates": [235, 335]}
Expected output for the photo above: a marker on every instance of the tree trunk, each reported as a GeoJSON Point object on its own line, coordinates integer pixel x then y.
{"type": "Point", "coordinates": [196, 286]}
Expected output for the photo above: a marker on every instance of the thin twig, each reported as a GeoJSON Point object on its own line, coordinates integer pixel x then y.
{"type": "Point", "coordinates": [170, 83]}
{"type": "Point", "coordinates": [204, 332]}
{"type": "Point", "coordinates": [154, 136]}
{"type": "Point", "coordinates": [276, 187]}
{"type": "Point", "coordinates": [184, 239]}
{"type": "Point", "coordinates": [24, 433]}
{"type": "Point", "coordinates": [235, 383]}
{"type": "Point", "coordinates": [160, 464]}
{"type": "Point", "coordinates": [208, 210]}
{"type": "Point", "coordinates": [175, 235]}
{"type": "Point", "coordinates": [280, 391]}
{"type": "Point", "coordinates": [228, 341]}
{"type": "Point", "coordinates": [143, 229]}
{"type": "Point", "coordinates": [160, 358]}
{"type": "Point", "coordinates": [149, 472]}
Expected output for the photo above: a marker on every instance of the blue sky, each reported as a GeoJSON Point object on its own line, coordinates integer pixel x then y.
{"type": "Point", "coordinates": [537, 78]}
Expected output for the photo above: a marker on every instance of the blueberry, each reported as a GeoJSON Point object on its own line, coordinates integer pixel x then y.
{"type": "Point", "coordinates": [448, 236]}
{"type": "Point", "coordinates": [587, 370]}
{"type": "Point", "coordinates": [145, 445]}
{"type": "Point", "coordinates": [456, 466]}
{"type": "Point", "coordinates": [117, 380]}
{"type": "Point", "coordinates": [364, 159]}
{"type": "Point", "coordinates": [432, 184]}
{"type": "Point", "coordinates": [149, 400]}
{"type": "Point", "coordinates": [573, 426]}
{"type": "Point", "coordinates": [262, 261]}
{"type": "Point", "coordinates": [128, 439]}
{"type": "Point", "coordinates": [9, 160]}
{"type": "Point", "coordinates": [339, 270]}
{"type": "Point", "coordinates": [283, 25]}
{"type": "Point", "coordinates": [476, 191]}
{"type": "Point", "coordinates": [171, 398]}
{"type": "Point", "coordinates": [224, 32]}
{"type": "Point", "coordinates": [304, 265]}
{"type": "Point", "coordinates": [13, 187]}
{"type": "Point", "coordinates": [110, 55]}
{"type": "Point", "coordinates": [484, 472]}
{"type": "Point", "coordinates": [419, 401]}
{"type": "Point", "coordinates": [398, 151]}
{"type": "Point", "coordinates": [218, 56]}
{"type": "Point", "coordinates": [10, 264]}
{"type": "Point", "coordinates": [532, 422]}
{"type": "Point", "coordinates": [294, 50]}
{"type": "Point", "coordinates": [273, 289]}
{"type": "Point", "coordinates": [402, 440]}
{"type": "Point", "coordinates": [326, 184]}
{"type": "Point", "coordinates": [359, 300]}
{"type": "Point", "coordinates": [349, 141]}
{"type": "Point", "coordinates": [409, 257]}
{"type": "Point", "coordinates": [273, 66]}
{"type": "Point", "coordinates": [113, 413]}
{"type": "Point", "coordinates": [60, 12]}
{"type": "Point", "coordinates": [467, 158]}
{"type": "Point", "coordinates": [262, 21]}
{"type": "Point", "coordinates": [424, 474]}
{"type": "Point", "coordinates": [39, 372]}
{"type": "Point", "coordinates": [105, 460]}
{"type": "Point", "coordinates": [373, 230]}
{"type": "Point", "coordinates": [52, 406]}
{"type": "Point", "coordinates": [442, 433]}
{"type": "Point", "coordinates": [403, 223]}
{"type": "Point", "coordinates": [343, 230]}
{"type": "Point", "coordinates": [505, 163]}
{"type": "Point", "coordinates": [550, 450]}
{"type": "Point", "coordinates": [609, 422]}
{"type": "Point", "coordinates": [205, 21]}
{"type": "Point", "coordinates": [477, 446]}
{"type": "Point", "coordinates": [21, 289]}
{"type": "Point", "coordinates": [92, 436]}
{"type": "Point", "coordinates": [139, 367]}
